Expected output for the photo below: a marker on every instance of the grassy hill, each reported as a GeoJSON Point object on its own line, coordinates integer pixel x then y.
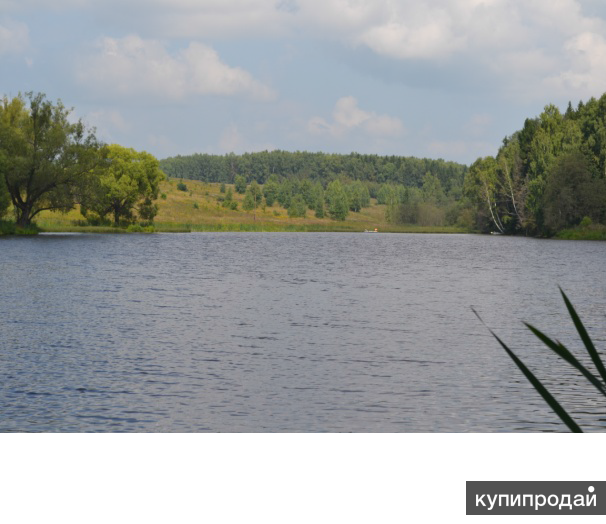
{"type": "Point", "coordinates": [199, 209]}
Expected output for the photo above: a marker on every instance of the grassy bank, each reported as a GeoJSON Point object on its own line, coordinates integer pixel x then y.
{"type": "Point", "coordinates": [592, 232]}
{"type": "Point", "coordinates": [10, 228]}
{"type": "Point", "coordinates": [199, 209]}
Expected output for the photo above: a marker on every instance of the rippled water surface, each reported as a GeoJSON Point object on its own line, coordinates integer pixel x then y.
{"type": "Point", "coordinates": [275, 332]}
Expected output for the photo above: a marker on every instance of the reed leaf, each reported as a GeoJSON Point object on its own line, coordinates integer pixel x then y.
{"type": "Point", "coordinates": [536, 383]}
{"type": "Point", "coordinates": [593, 353]}
{"type": "Point", "coordinates": [563, 352]}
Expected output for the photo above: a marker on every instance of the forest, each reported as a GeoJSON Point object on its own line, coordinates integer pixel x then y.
{"type": "Point", "coordinates": [548, 176]}
{"type": "Point", "coordinates": [407, 171]}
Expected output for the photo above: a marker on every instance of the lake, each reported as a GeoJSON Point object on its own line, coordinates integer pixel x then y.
{"type": "Point", "coordinates": [291, 332]}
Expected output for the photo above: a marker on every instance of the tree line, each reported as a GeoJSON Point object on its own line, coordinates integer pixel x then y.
{"type": "Point", "coordinates": [548, 176]}
{"type": "Point", "coordinates": [407, 171]}
{"type": "Point", "coordinates": [49, 162]}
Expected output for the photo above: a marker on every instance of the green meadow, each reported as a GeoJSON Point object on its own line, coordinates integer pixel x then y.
{"type": "Point", "coordinates": [199, 208]}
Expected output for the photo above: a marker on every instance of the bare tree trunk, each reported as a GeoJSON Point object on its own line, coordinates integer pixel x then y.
{"type": "Point", "coordinates": [495, 217]}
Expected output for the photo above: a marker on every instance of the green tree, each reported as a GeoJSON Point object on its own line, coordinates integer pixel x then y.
{"type": "Point", "coordinates": [572, 193]}
{"type": "Point", "coordinates": [148, 209]}
{"type": "Point", "coordinates": [358, 196]}
{"type": "Point", "coordinates": [229, 197]}
{"type": "Point", "coordinates": [253, 198]}
{"type": "Point", "coordinates": [47, 161]}
{"type": "Point", "coordinates": [392, 196]}
{"type": "Point", "coordinates": [318, 206]}
{"type": "Point", "coordinates": [481, 187]}
{"type": "Point", "coordinates": [285, 192]}
{"type": "Point", "coordinates": [306, 190]}
{"type": "Point", "coordinates": [387, 194]}
{"type": "Point", "coordinates": [298, 207]}
{"type": "Point", "coordinates": [240, 184]}
{"type": "Point", "coordinates": [130, 179]}
{"type": "Point", "coordinates": [513, 185]}
{"type": "Point", "coordinates": [338, 203]}
{"type": "Point", "coordinates": [270, 190]}
{"type": "Point", "coordinates": [432, 189]}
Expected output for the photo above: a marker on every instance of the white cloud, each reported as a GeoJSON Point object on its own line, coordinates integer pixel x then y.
{"type": "Point", "coordinates": [523, 47]}
{"type": "Point", "coordinates": [134, 66]}
{"type": "Point", "coordinates": [431, 35]}
{"type": "Point", "coordinates": [586, 71]}
{"type": "Point", "coordinates": [347, 116]}
{"type": "Point", "coordinates": [14, 37]}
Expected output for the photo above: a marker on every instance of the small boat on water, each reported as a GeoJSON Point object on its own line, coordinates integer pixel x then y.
{"type": "Point", "coordinates": [375, 230]}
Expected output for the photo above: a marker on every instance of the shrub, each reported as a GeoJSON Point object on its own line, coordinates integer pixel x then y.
{"type": "Point", "coordinates": [26, 231]}
{"type": "Point", "coordinates": [586, 222]}
{"type": "Point", "coordinates": [10, 228]}
{"type": "Point", "coordinates": [181, 186]}
{"type": "Point", "coordinates": [93, 219]}
{"type": "Point", "coordinates": [7, 228]}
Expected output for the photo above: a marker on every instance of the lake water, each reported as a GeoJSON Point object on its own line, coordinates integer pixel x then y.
{"type": "Point", "coordinates": [281, 332]}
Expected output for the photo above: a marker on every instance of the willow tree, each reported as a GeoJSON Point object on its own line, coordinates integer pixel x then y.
{"type": "Point", "coordinates": [127, 183]}
{"type": "Point", "coordinates": [46, 160]}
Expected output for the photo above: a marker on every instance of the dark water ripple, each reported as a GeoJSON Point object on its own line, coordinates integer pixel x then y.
{"type": "Point", "coordinates": [289, 332]}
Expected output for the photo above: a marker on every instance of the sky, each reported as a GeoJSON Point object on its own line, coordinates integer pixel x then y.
{"type": "Point", "coordinates": [440, 79]}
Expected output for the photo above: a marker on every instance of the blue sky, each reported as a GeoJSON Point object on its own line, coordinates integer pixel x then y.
{"type": "Point", "coordinates": [442, 78]}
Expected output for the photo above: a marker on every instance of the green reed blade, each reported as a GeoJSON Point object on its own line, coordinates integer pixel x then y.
{"type": "Point", "coordinates": [593, 353]}
{"type": "Point", "coordinates": [563, 352]}
{"type": "Point", "coordinates": [553, 403]}
{"type": "Point", "coordinates": [542, 390]}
